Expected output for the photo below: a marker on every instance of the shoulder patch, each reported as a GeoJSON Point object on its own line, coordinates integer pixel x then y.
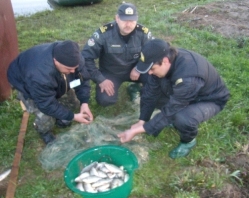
{"type": "Point", "coordinates": [106, 27]}
{"type": "Point", "coordinates": [142, 28]}
{"type": "Point", "coordinates": [178, 81]}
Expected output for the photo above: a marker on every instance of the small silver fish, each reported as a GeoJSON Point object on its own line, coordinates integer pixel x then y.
{"type": "Point", "coordinates": [101, 182]}
{"type": "Point", "coordinates": [93, 171]}
{"type": "Point", "coordinates": [116, 183]}
{"type": "Point", "coordinates": [113, 168]}
{"type": "Point", "coordinates": [126, 177]}
{"type": "Point", "coordinates": [88, 188]}
{"type": "Point", "coordinates": [103, 188]}
{"type": "Point", "coordinates": [82, 176]}
{"type": "Point", "coordinates": [4, 174]}
{"type": "Point", "coordinates": [88, 168]}
{"type": "Point", "coordinates": [101, 174]}
{"type": "Point", "coordinates": [104, 169]}
{"type": "Point", "coordinates": [90, 179]}
{"type": "Point", "coordinates": [80, 186]}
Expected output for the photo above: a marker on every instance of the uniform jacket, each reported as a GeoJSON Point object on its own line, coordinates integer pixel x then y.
{"type": "Point", "coordinates": [34, 74]}
{"type": "Point", "coordinates": [115, 55]}
{"type": "Point", "coordinates": [191, 79]}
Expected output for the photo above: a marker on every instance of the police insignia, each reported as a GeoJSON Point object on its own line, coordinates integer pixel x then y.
{"type": "Point", "coordinates": [129, 11]}
{"type": "Point", "coordinates": [103, 29]}
{"type": "Point", "coordinates": [91, 42]}
{"type": "Point", "coordinates": [178, 81]}
{"type": "Point", "coordinates": [149, 35]}
{"type": "Point", "coordinates": [146, 30]}
{"type": "Point", "coordinates": [136, 56]}
{"type": "Point", "coordinates": [142, 57]}
{"type": "Point", "coordinates": [96, 35]}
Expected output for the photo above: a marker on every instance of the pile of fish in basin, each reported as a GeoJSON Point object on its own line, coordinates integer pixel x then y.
{"type": "Point", "coordinates": [101, 177]}
{"type": "Point", "coordinates": [104, 171]}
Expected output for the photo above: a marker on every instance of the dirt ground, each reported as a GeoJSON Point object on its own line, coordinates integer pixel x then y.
{"type": "Point", "coordinates": [230, 19]}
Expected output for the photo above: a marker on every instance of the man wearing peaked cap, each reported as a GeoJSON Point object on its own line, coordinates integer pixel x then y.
{"type": "Point", "coordinates": [184, 86]}
{"type": "Point", "coordinates": [42, 75]}
{"type": "Point", "coordinates": [117, 46]}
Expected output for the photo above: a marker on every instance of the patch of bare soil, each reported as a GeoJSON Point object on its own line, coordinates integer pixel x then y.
{"type": "Point", "coordinates": [238, 168]}
{"type": "Point", "coordinates": [229, 18]}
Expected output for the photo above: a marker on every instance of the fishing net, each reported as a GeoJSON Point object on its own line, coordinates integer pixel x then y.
{"type": "Point", "coordinates": [102, 131]}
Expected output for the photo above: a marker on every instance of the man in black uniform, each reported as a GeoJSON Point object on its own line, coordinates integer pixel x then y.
{"type": "Point", "coordinates": [42, 75]}
{"type": "Point", "coordinates": [186, 88]}
{"type": "Point", "coordinates": [117, 45]}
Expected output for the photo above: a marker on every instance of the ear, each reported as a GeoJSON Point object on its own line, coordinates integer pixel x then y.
{"type": "Point", "coordinates": [116, 17]}
{"type": "Point", "coordinates": [166, 60]}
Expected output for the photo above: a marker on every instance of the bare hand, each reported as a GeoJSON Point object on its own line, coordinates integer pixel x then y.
{"type": "Point", "coordinates": [85, 110]}
{"type": "Point", "coordinates": [82, 118]}
{"type": "Point", "coordinates": [85, 116]}
{"type": "Point", "coordinates": [126, 136]}
{"type": "Point", "coordinates": [108, 87]}
{"type": "Point", "coordinates": [134, 75]}
{"type": "Point", "coordinates": [138, 124]}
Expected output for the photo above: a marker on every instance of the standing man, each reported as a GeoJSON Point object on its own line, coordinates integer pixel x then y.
{"type": "Point", "coordinates": [42, 75]}
{"type": "Point", "coordinates": [117, 45]}
{"type": "Point", "coordinates": [186, 88]}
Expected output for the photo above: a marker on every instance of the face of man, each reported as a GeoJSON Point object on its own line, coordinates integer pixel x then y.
{"type": "Point", "coordinates": [160, 70]}
{"type": "Point", "coordinates": [125, 27]}
{"type": "Point", "coordinates": [63, 68]}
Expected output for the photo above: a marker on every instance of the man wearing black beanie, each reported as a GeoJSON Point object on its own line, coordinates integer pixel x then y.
{"type": "Point", "coordinates": [42, 75]}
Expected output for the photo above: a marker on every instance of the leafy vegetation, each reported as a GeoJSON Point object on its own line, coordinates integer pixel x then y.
{"type": "Point", "coordinates": [204, 168]}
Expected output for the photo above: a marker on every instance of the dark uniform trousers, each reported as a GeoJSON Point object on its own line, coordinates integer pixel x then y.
{"type": "Point", "coordinates": [44, 123]}
{"type": "Point", "coordinates": [187, 120]}
{"type": "Point", "coordinates": [103, 99]}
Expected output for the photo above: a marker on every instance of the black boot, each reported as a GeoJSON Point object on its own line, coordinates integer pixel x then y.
{"type": "Point", "coordinates": [47, 137]}
{"type": "Point", "coordinates": [63, 123]}
{"type": "Point", "coordinates": [134, 91]}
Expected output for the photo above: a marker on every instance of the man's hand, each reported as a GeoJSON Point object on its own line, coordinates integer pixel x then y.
{"type": "Point", "coordinates": [129, 134]}
{"type": "Point", "coordinates": [134, 75]}
{"type": "Point", "coordinates": [85, 116]}
{"type": "Point", "coordinates": [126, 136]}
{"type": "Point", "coordinates": [108, 87]}
{"type": "Point", "coordinates": [138, 124]}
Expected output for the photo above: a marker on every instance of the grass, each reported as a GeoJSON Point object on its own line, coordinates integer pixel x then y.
{"type": "Point", "coordinates": [160, 176]}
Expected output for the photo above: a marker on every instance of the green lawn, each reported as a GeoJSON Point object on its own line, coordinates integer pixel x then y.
{"type": "Point", "coordinates": [205, 170]}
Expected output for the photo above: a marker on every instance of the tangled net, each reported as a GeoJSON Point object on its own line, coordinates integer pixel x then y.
{"type": "Point", "coordinates": [102, 131]}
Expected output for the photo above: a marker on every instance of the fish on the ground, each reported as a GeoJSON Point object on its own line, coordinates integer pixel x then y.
{"type": "Point", "coordinates": [4, 174]}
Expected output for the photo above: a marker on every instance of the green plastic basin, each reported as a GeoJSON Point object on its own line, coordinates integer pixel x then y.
{"type": "Point", "coordinates": [117, 155]}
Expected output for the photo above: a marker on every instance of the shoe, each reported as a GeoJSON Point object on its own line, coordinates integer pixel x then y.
{"type": "Point", "coordinates": [47, 137]}
{"type": "Point", "coordinates": [182, 150]}
{"type": "Point", "coordinates": [63, 123]}
{"type": "Point", "coordinates": [134, 91]}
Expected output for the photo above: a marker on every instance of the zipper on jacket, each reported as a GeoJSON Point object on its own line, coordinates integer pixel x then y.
{"type": "Point", "coordinates": [65, 79]}
{"type": "Point", "coordinates": [80, 77]}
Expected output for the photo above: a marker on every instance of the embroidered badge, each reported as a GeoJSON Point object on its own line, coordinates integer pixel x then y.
{"type": "Point", "coordinates": [129, 11]}
{"type": "Point", "coordinates": [178, 81]}
{"type": "Point", "coordinates": [149, 35]}
{"type": "Point", "coordinates": [136, 56]}
{"type": "Point", "coordinates": [96, 35]}
{"type": "Point", "coordinates": [91, 42]}
{"type": "Point", "coordinates": [142, 57]}
{"type": "Point", "coordinates": [146, 30]}
{"type": "Point", "coordinates": [103, 29]}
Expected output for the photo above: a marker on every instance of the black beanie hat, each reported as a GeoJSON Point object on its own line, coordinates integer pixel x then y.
{"type": "Point", "coordinates": [67, 53]}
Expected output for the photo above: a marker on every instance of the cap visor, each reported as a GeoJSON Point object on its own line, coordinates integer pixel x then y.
{"type": "Point", "coordinates": [128, 18]}
{"type": "Point", "coordinates": [143, 67]}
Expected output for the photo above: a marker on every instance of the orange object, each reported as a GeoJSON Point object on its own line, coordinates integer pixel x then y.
{"type": "Point", "coordinates": [8, 45]}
